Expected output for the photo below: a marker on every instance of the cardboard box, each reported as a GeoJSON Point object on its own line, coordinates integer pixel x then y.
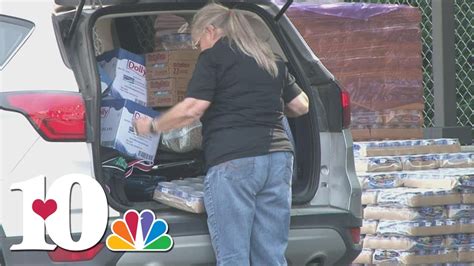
{"type": "Point", "coordinates": [386, 134]}
{"type": "Point", "coordinates": [173, 69]}
{"type": "Point", "coordinates": [117, 131]}
{"type": "Point", "coordinates": [166, 92]}
{"type": "Point", "coordinates": [127, 72]}
{"type": "Point", "coordinates": [407, 147]}
{"type": "Point", "coordinates": [171, 64]}
{"type": "Point", "coordinates": [396, 133]}
{"type": "Point", "coordinates": [360, 134]}
{"type": "Point", "coordinates": [375, 52]}
{"type": "Point", "coordinates": [164, 57]}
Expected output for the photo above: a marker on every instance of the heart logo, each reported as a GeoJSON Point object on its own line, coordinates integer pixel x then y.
{"type": "Point", "coordinates": [44, 208]}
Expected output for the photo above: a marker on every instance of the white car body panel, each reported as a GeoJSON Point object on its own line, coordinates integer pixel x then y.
{"type": "Point", "coordinates": [24, 153]}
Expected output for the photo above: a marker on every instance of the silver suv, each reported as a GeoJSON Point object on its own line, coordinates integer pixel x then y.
{"type": "Point", "coordinates": [326, 211]}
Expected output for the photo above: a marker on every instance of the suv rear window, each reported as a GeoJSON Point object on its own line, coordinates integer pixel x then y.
{"type": "Point", "coordinates": [13, 33]}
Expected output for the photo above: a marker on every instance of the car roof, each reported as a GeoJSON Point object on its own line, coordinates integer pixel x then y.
{"type": "Point", "coordinates": [38, 64]}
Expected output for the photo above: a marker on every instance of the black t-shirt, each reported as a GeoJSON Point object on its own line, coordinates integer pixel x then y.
{"type": "Point", "coordinates": [246, 111]}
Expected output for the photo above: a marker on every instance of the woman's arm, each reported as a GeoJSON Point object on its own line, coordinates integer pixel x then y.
{"type": "Point", "coordinates": [182, 114]}
{"type": "Point", "coordinates": [298, 106]}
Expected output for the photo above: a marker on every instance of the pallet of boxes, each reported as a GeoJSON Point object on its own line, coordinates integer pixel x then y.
{"type": "Point", "coordinates": [418, 202]}
{"type": "Point", "coordinates": [375, 53]}
{"type": "Point", "coordinates": [147, 85]}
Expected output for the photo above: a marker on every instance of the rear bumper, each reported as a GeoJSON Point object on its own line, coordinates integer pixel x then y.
{"type": "Point", "coordinates": [324, 245]}
{"type": "Point", "coordinates": [323, 238]}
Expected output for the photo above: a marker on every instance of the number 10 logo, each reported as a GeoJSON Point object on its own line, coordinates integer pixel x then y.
{"type": "Point", "coordinates": [50, 212]}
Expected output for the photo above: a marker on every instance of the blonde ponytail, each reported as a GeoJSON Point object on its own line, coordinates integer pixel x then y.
{"type": "Point", "coordinates": [235, 25]}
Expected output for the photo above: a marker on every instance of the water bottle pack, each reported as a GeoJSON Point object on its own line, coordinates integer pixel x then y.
{"type": "Point", "coordinates": [185, 194]}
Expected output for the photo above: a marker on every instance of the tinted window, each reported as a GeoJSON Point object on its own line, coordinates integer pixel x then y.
{"type": "Point", "coordinates": [13, 33]}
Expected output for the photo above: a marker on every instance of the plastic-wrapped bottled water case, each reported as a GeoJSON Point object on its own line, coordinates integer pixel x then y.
{"type": "Point", "coordinates": [186, 194]}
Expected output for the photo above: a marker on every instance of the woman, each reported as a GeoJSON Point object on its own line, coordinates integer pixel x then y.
{"type": "Point", "coordinates": [240, 91]}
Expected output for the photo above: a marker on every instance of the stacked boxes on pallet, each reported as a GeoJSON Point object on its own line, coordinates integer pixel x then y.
{"type": "Point", "coordinates": [418, 201]}
{"type": "Point", "coordinates": [374, 51]}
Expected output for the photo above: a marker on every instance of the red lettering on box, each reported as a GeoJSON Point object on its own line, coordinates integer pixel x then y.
{"type": "Point", "coordinates": [138, 68]}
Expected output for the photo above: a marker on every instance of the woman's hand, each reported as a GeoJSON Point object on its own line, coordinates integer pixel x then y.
{"type": "Point", "coordinates": [182, 114]}
{"type": "Point", "coordinates": [143, 126]}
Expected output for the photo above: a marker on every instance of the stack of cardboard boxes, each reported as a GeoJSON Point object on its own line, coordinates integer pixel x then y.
{"type": "Point", "coordinates": [133, 84]}
{"type": "Point", "coordinates": [418, 197]}
{"type": "Point", "coordinates": [123, 75]}
{"type": "Point", "coordinates": [375, 52]}
{"type": "Point", "coordinates": [168, 75]}
{"type": "Point", "coordinates": [171, 65]}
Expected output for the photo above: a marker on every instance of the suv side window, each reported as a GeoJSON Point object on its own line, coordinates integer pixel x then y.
{"type": "Point", "coordinates": [13, 34]}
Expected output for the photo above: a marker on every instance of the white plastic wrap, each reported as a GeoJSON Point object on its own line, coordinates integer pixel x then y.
{"type": "Point", "coordinates": [465, 177]}
{"type": "Point", "coordinates": [420, 162]}
{"type": "Point", "coordinates": [436, 179]}
{"type": "Point", "coordinates": [418, 227]}
{"type": "Point", "coordinates": [443, 178]}
{"type": "Point", "coordinates": [183, 139]}
{"type": "Point", "coordinates": [365, 257]}
{"type": "Point", "coordinates": [430, 256]}
{"type": "Point", "coordinates": [460, 211]}
{"type": "Point", "coordinates": [378, 164]}
{"type": "Point", "coordinates": [459, 240]}
{"type": "Point", "coordinates": [404, 213]}
{"type": "Point", "coordinates": [405, 147]}
{"type": "Point", "coordinates": [417, 197]}
{"type": "Point", "coordinates": [369, 197]}
{"type": "Point", "coordinates": [176, 41]}
{"type": "Point", "coordinates": [381, 180]}
{"type": "Point", "coordinates": [369, 227]}
{"type": "Point", "coordinates": [403, 243]}
{"type": "Point", "coordinates": [182, 194]}
{"type": "Point", "coordinates": [457, 160]}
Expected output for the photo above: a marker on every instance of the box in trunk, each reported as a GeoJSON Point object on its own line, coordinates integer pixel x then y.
{"type": "Point", "coordinates": [171, 64]}
{"type": "Point", "coordinates": [166, 92]}
{"type": "Point", "coordinates": [117, 130]}
{"type": "Point", "coordinates": [127, 72]}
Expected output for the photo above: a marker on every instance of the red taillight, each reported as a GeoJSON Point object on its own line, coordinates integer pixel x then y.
{"type": "Point", "coordinates": [57, 116]}
{"type": "Point", "coordinates": [346, 109]}
{"type": "Point", "coordinates": [355, 234]}
{"type": "Point", "coordinates": [62, 255]}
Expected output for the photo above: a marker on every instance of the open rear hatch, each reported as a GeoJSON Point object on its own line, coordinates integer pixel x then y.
{"type": "Point", "coordinates": [140, 28]}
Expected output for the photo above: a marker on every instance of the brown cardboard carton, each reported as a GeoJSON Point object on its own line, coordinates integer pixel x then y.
{"type": "Point", "coordinates": [171, 64]}
{"type": "Point", "coordinates": [376, 55]}
{"type": "Point", "coordinates": [166, 92]}
{"type": "Point", "coordinates": [173, 69]}
{"type": "Point", "coordinates": [169, 21]}
{"type": "Point", "coordinates": [164, 57]}
{"type": "Point", "coordinates": [386, 133]}
{"type": "Point", "coordinates": [396, 133]}
{"type": "Point", "coordinates": [360, 134]}
{"type": "Point", "coordinates": [393, 151]}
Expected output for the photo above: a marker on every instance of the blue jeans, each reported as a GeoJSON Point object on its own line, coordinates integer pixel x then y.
{"type": "Point", "coordinates": [248, 204]}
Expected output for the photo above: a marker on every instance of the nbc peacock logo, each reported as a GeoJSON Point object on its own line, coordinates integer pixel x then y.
{"type": "Point", "coordinates": [139, 232]}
